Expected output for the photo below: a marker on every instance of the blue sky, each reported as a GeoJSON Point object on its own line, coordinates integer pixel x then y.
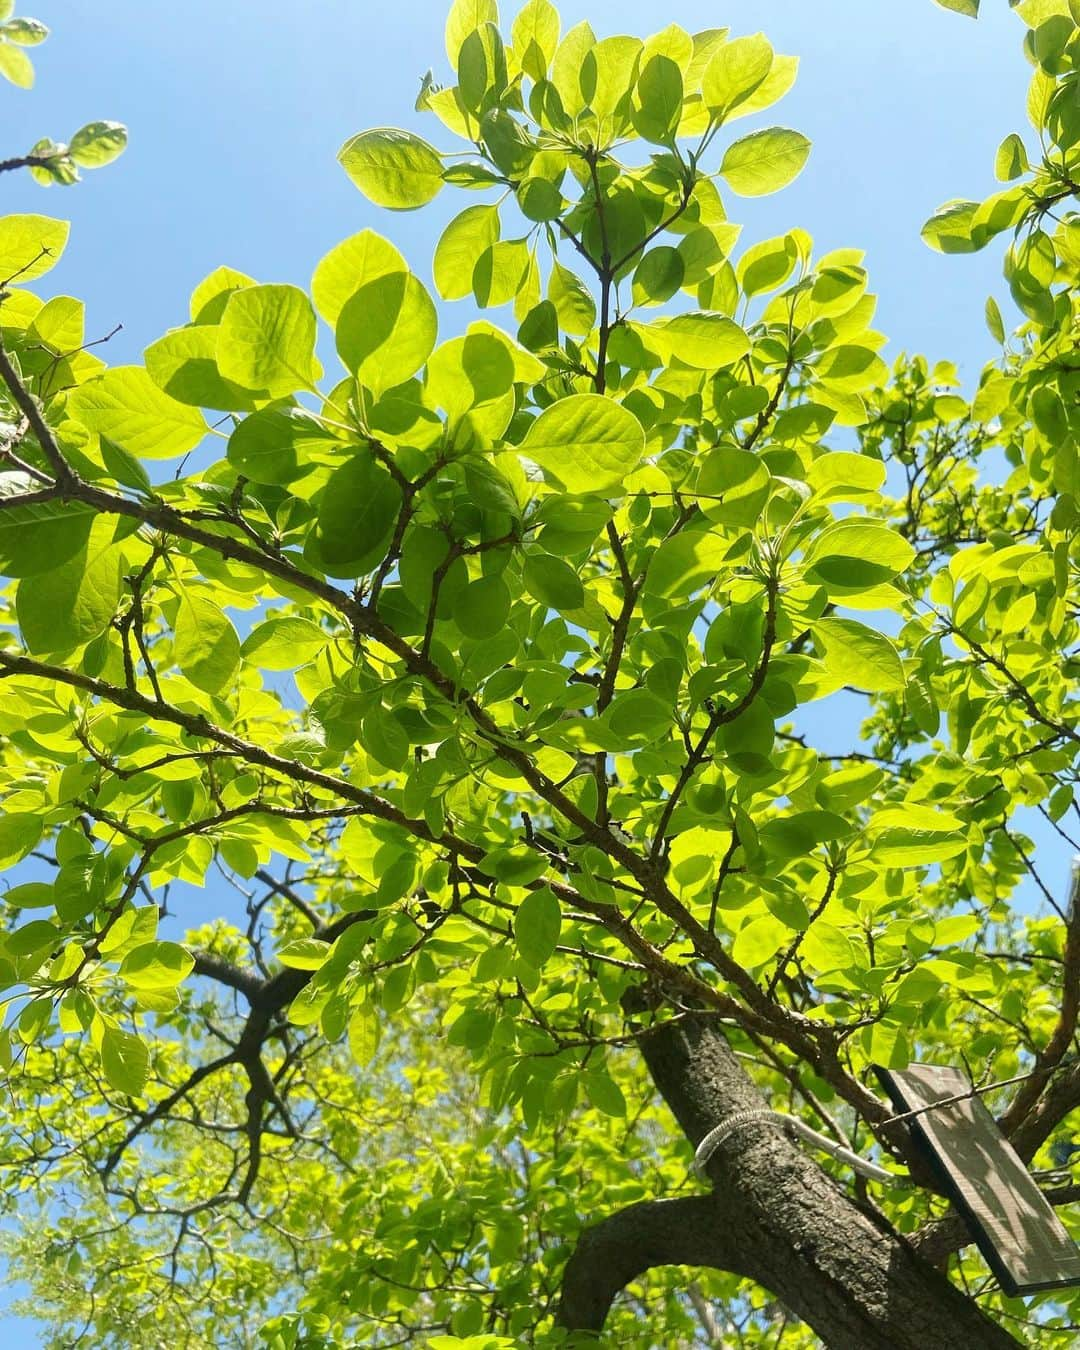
{"type": "Point", "coordinates": [237, 108]}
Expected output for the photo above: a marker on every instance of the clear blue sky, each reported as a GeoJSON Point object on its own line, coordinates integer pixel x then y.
{"type": "Point", "coordinates": [236, 110]}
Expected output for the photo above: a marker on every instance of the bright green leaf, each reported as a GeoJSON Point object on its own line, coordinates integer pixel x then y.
{"type": "Point", "coordinates": [126, 405]}
{"type": "Point", "coordinates": [29, 246]}
{"type": "Point", "coordinates": [205, 644]}
{"type": "Point", "coordinates": [585, 443]}
{"type": "Point", "coordinates": [393, 168]}
{"type": "Point", "coordinates": [764, 161]}
{"type": "Point", "coordinates": [267, 339]}
{"type": "Point", "coordinates": [125, 1061]}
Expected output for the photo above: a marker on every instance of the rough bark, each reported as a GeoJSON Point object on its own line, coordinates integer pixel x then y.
{"type": "Point", "coordinates": [774, 1216]}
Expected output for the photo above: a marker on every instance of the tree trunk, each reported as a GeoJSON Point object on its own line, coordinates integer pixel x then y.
{"type": "Point", "coordinates": [775, 1217]}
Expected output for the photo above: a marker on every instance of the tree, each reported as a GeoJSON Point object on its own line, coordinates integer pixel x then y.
{"type": "Point", "coordinates": [474, 675]}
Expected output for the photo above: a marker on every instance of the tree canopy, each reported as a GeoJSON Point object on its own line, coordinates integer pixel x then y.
{"type": "Point", "coordinates": [478, 678]}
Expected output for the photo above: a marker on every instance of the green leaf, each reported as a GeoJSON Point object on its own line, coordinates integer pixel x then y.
{"type": "Point", "coordinates": [701, 340]}
{"type": "Point", "coordinates": [460, 248]}
{"type": "Point", "coordinates": [553, 582]}
{"type": "Point", "coordinates": [125, 1061]}
{"type": "Point", "coordinates": [19, 833]}
{"type": "Point", "coordinates": [799, 834]}
{"type": "Point", "coordinates": [16, 66]}
{"type": "Point", "coordinates": [659, 100]}
{"type": "Point", "coordinates": [734, 485]}
{"type": "Point", "coordinates": [1011, 160]}
{"type": "Point", "coordinates": [211, 295]}
{"type": "Point", "coordinates": [60, 322]}
{"type": "Point", "coordinates": [481, 608]}
{"type": "Point", "coordinates": [384, 738]}
{"type": "Point", "coordinates": [35, 1019]}
{"type": "Point", "coordinates": [685, 563]}
{"type": "Point", "coordinates": [568, 64]}
{"type": "Point", "coordinates": [183, 364]}
{"type": "Point", "coordinates": [949, 229]}
{"type": "Point", "coordinates": [32, 937]}
{"type": "Point", "coordinates": [98, 143]}
{"type": "Point", "coordinates": [535, 36]}
{"type": "Point", "coordinates": [133, 927]}
{"type": "Point", "coordinates": [473, 376]}
{"type": "Point", "coordinates": [658, 276]}
{"type": "Point", "coordinates": [205, 644]}
{"type": "Point", "coordinates": [837, 289]}
{"type": "Point", "coordinates": [126, 405]}
{"type": "Point", "coordinates": [304, 954]}
{"type": "Point", "coordinates": [515, 865]}
{"type": "Point", "coordinates": [481, 69]}
{"type": "Point", "coordinates": [914, 836]}
{"type": "Point", "coordinates": [994, 322]}
{"type": "Point", "coordinates": [842, 476]}
{"type": "Point", "coordinates": [764, 161]}
{"type": "Point", "coordinates": [539, 199]}
{"type": "Point", "coordinates": [605, 1094]}
{"type": "Point", "coordinates": [849, 369]}
{"type": "Point", "coordinates": [156, 965]}
{"type": "Point", "coordinates": [25, 32]}
{"type": "Point", "coordinates": [267, 339]}
{"type": "Point", "coordinates": [606, 77]}
{"type": "Point", "coordinates": [125, 468]}
{"type": "Point", "coordinates": [279, 443]}
{"type": "Point", "coordinates": [759, 941]}
{"type": "Point", "coordinates": [854, 555]}
{"type": "Point", "coordinates": [350, 265]}
{"type": "Point", "coordinates": [393, 168]}
{"type": "Point", "coordinates": [464, 18]}
{"type": "Point", "coordinates": [500, 272]}
{"type": "Point", "coordinates": [29, 246]}
{"type": "Point", "coordinates": [283, 644]}
{"type": "Point", "coordinates": [537, 924]}
{"type": "Point", "coordinates": [860, 656]}
{"type": "Point", "coordinates": [573, 303]}
{"type": "Point", "coordinates": [636, 714]}
{"type": "Point", "coordinates": [585, 443]}
{"type": "Point", "coordinates": [387, 330]}
{"type": "Point", "coordinates": [357, 511]}
{"type": "Point", "coordinates": [33, 895]}
{"type": "Point", "coordinates": [734, 72]}
{"type": "Point", "coordinates": [42, 536]}
{"type": "Point", "coordinates": [767, 265]}
{"type": "Point", "coordinates": [363, 1034]}
{"type": "Point", "coordinates": [825, 947]}
{"type": "Point", "coordinates": [968, 7]}
{"type": "Point", "coordinates": [71, 604]}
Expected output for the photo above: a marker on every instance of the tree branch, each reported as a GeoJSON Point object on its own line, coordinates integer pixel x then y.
{"type": "Point", "coordinates": [687, 1231]}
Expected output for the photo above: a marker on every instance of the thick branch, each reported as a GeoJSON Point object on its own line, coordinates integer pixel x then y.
{"type": "Point", "coordinates": [834, 1263]}
{"type": "Point", "coordinates": [688, 1231]}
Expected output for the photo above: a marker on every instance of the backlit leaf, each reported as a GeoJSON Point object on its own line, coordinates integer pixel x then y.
{"type": "Point", "coordinates": [585, 443]}
{"type": "Point", "coordinates": [393, 168]}
{"type": "Point", "coordinates": [764, 161]}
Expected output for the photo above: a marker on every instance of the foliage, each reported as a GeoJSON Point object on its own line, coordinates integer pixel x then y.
{"type": "Point", "coordinates": [50, 161]}
{"type": "Point", "coordinates": [475, 672]}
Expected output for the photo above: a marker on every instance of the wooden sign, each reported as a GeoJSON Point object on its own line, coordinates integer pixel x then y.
{"type": "Point", "coordinates": [1024, 1242]}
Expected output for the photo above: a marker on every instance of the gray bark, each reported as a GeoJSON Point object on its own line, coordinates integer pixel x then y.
{"type": "Point", "coordinates": [773, 1216]}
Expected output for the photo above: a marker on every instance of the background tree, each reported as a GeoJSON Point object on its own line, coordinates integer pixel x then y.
{"type": "Point", "coordinates": [503, 770]}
